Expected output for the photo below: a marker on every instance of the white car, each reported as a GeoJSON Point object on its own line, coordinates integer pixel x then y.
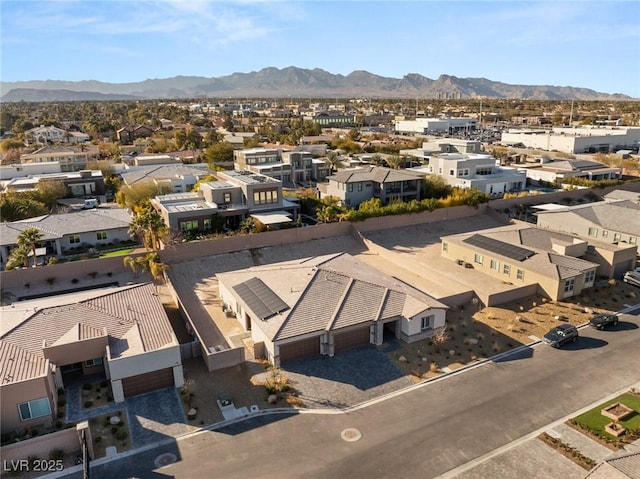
{"type": "Point", "coordinates": [632, 277]}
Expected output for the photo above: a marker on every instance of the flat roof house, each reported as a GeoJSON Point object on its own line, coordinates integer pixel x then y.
{"type": "Point", "coordinates": [323, 305]}
{"type": "Point", "coordinates": [353, 186]}
{"type": "Point", "coordinates": [69, 158]}
{"type": "Point", "coordinates": [556, 170]}
{"type": "Point", "coordinates": [123, 333]}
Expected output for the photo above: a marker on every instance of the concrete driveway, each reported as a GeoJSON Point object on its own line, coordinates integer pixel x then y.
{"type": "Point", "coordinates": [346, 379]}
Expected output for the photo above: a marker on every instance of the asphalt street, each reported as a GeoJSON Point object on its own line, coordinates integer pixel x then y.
{"type": "Point", "coordinates": [424, 432]}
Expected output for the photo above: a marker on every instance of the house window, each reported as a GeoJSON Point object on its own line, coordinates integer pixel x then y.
{"type": "Point", "coordinates": [452, 173]}
{"type": "Point", "coordinates": [494, 265]}
{"type": "Point", "coordinates": [359, 186]}
{"type": "Point", "coordinates": [520, 274]}
{"type": "Point", "coordinates": [74, 239]}
{"type": "Point", "coordinates": [101, 235]}
{"type": "Point", "coordinates": [445, 246]}
{"type": "Point", "coordinates": [350, 187]}
{"type": "Point", "coordinates": [568, 286]}
{"type": "Point", "coordinates": [506, 270]}
{"type": "Point", "coordinates": [616, 237]}
{"type": "Point", "coordinates": [188, 225]}
{"type": "Point", "coordinates": [227, 197]}
{"type": "Point", "coordinates": [93, 362]}
{"type": "Point", "coordinates": [633, 240]}
{"type": "Point", "coordinates": [605, 233]}
{"type": "Point", "coordinates": [34, 409]}
{"type": "Point", "coordinates": [207, 224]}
{"type": "Point", "coordinates": [426, 322]}
{"type": "Point", "coordinates": [589, 277]}
{"type": "Point", "coordinates": [593, 232]}
{"type": "Point", "coordinates": [477, 258]}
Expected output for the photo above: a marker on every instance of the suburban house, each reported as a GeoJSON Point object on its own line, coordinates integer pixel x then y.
{"type": "Point", "coordinates": [44, 135]}
{"type": "Point", "coordinates": [179, 178]}
{"type": "Point", "coordinates": [527, 255]}
{"type": "Point", "coordinates": [122, 333]}
{"type": "Point", "coordinates": [436, 146]}
{"type": "Point", "coordinates": [610, 221]}
{"type": "Point", "coordinates": [128, 134]}
{"type": "Point", "coordinates": [353, 186]}
{"type": "Point", "coordinates": [236, 196]}
{"type": "Point", "coordinates": [583, 139]}
{"type": "Point", "coordinates": [323, 305]}
{"type": "Point", "coordinates": [556, 170]}
{"type": "Point", "coordinates": [17, 170]}
{"type": "Point", "coordinates": [479, 171]}
{"type": "Point", "coordinates": [62, 232]}
{"type": "Point", "coordinates": [286, 166]}
{"type": "Point", "coordinates": [69, 159]}
{"type": "Point", "coordinates": [80, 184]}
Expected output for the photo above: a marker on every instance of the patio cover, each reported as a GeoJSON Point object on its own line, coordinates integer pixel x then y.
{"type": "Point", "coordinates": [273, 218]}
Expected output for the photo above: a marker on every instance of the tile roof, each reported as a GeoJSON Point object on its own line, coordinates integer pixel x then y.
{"type": "Point", "coordinates": [330, 292]}
{"type": "Point", "coordinates": [161, 172]}
{"type": "Point", "coordinates": [56, 226]}
{"type": "Point", "coordinates": [17, 364]}
{"type": "Point", "coordinates": [613, 215]}
{"type": "Point", "coordinates": [133, 317]}
{"type": "Point", "coordinates": [378, 174]}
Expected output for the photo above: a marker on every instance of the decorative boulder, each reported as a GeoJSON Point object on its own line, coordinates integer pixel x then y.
{"type": "Point", "coordinates": [114, 420]}
{"type": "Point", "coordinates": [473, 341]}
{"type": "Point", "coordinates": [192, 413]}
{"type": "Point", "coordinates": [272, 399]}
{"type": "Point", "coordinates": [402, 359]}
{"type": "Point", "coordinates": [452, 352]}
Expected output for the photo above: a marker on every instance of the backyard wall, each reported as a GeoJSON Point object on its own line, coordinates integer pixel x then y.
{"type": "Point", "coordinates": [41, 446]}
{"type": "Point", "coordinates": [511, 295]}
{"type": "Point", "coordinates": [224, 359]}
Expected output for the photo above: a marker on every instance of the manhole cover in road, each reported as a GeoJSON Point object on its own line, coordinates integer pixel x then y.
{"type": "Point", "coordinates": [165, 459]}
{"type": "Point", "coordinates": [351, 434]}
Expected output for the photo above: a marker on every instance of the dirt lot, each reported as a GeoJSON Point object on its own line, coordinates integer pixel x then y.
{"type": "Point", "coordinates": [479, 333]}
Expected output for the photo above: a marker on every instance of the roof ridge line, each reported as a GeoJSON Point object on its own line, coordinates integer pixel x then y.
{"type": "Point", "coordinates": [340, 304]}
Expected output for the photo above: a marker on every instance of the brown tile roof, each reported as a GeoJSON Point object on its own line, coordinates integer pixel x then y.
{"type": "Point", "coordinates": [132, 307]}
{"type": "Point", "coordinates": [17, 364]}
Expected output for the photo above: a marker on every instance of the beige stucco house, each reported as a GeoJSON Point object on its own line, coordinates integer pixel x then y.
{"type": "Point", "coordinates": [123, 333]}
{"type": "Point", "coordinates": [323, 305]}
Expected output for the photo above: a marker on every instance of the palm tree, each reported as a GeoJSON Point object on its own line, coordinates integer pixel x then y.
{"type": "Point", "coordinates": [151, 263]}
{"type": "Point", "coordinates": [395, 162]}
{"type": "Point", "coordinates": [29, 237]}
{"type": "Point", "coordinates": [333, 160]}
{"type": "Point", "coordinates": [149, 225]}
{"type": "Point", "coordinates": [130, 262]}
{"type": "Point", "coordinates": [19, 256]}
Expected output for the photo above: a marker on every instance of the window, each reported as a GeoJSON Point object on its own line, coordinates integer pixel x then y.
{"type": "Point", "coordinates": [265, 197]}
{"type": "Point", "coordinates": [445, 246]}
{"type": "Point", "coordinates": [589, 277]}
{"type": "Point", "coordinates": [206, 223]}
{"type": "Point", "coordinates": [188, 225]}
{"type": "Point", "coordinates": [605, 233]}
{"type": "Point", "coordinates": [520, 274]}
{"type": "Point", "coordinates": [494, 265]}
{"type": "Point", "coordinates": [426, 322]}
{"type": "Point", "coordinates": [506, 270]}
{"type": "Point", "coordinates": [452, 173]}
{"type": "Point", "coordinates": [227, 197]}
{"type": "Point", "coordinates": [633, 240]}
{"type": "Point", "coordinates": [93, 362]}
{"type": "Point", "coordinates": [74, 239]}
{"type": "Point", "coordinates": [34, 409]}
{"type": "Point", "coordinates": [350, 187]}
{"type": "Point", "coordinates": [568, 286]}
{"type": "Point", "coordinates": [477, 258]}
{"type": "Point", "coordinates": [359, 186]}
{"type": "Point", "coordinates": [483, 170]}
{"type": "Point", "coordinates": [593, 232]}
{"type": "Point", "coordinates": [616, 237]}
{"type": "Point", "coordinates": [101, 235]}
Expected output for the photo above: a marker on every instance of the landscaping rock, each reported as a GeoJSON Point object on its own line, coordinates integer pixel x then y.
{"type": "Point", "coordinates": [272, 399]}
{"type": "Point", "coordinates": [452, 352]}
{"type": "Point", "coordinates": [473, 341]}
{"type": "Point", "coordinates": [402, 359]}
{"type": "Point", "coordinates": [114, 420]}
{"type": "Point", "coordinates": [424, 360]}
{"type": "Point", "coordinates": [192, 413]}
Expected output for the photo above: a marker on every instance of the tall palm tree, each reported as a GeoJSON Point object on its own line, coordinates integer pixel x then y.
{"type": "Point", "coordinates": [19, 256]}
{"type": "Point", "coordinates": [333, 160]}
{"type": "Point", "coordinates": [29, 238]}
{"type": "Point", "coordinates": [395, 162]}
{"type": "Point", "coordinates": [132, 263]}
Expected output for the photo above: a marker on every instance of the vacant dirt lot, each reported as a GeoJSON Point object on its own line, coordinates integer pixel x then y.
{"type": "Point", "coordinates": [475, 333]}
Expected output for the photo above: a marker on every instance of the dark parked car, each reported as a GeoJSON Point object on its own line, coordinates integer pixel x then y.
{"type": "Point", "coordinates": [601, 321]}
{"type": "Point", "coordinates": [560, 335]}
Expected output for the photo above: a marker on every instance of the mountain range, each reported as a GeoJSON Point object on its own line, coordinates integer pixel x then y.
{"type": "Point", "coordinates": [292, 82]}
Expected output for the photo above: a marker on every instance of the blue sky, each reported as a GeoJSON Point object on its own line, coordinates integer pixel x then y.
{"type": "Point", "coordinates": [592, 44]}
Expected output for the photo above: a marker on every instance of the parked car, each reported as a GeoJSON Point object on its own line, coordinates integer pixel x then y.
{"type": "Point", "coordinates": [560, 335]}
{"type": "Point", "coordinates": [631, 277]}
{"type": "Point", "coordinates": [601, 321]}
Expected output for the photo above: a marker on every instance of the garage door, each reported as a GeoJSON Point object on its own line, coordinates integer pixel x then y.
{"type": "Point", "coordinates": [144, 383]}
{"type": "Point", "coordinates": [351, 339]}
{"type": "Point", "coordinates": [300, 349]}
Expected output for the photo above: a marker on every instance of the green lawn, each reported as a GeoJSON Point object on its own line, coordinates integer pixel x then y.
{"type": "Point", "coordinates": [120, 252]}
{"type": "Point", "coordinates": [595, 421]}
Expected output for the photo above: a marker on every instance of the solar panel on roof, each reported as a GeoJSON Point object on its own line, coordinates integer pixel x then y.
{"type": "Point", "coordinates": [499, 247]}
{"type": "Point", "coordinates": [260, 298]}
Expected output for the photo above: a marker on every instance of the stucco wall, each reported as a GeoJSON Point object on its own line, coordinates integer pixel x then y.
{"type": "Point", "coordinates": [144, 363]}
{"type": "Point", "coordinates": [41, 446]}
{"type": "Point", "coordinates": [17, 393]}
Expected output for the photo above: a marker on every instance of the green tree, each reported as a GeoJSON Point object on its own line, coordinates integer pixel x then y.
{"type": "Point", "coordinates": [395, 162]}
{"type": "Point", "coordinates": [333, 160]}
{"type": "Point", "coordinates": [16, 206]}
{"type": "Point", "coordinates": [136, 197]}
{"type": "Point", "coordinates": [149, 225]}
{"type": "Point", "coordinates": [50, 191]}
{"type": "Point", "coordinates": [354, 134]}
{"type": "Point", "coordinates": [19, 257]}
{"type": "Point", "coordinates": [29, 238]}
{"type": "Point", "coordinates": [219, 153]}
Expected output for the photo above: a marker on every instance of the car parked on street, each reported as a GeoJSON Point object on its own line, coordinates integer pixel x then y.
{"type": "Point", "coordinates": [560, 335]}
{"type": "Point", "coordinates": [601, 321]}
